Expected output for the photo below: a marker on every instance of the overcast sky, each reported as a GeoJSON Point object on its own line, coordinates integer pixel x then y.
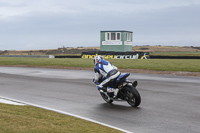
{"type": "Point", "coordinates": [49, 24]}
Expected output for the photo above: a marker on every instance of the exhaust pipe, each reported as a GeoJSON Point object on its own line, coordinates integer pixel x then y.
{"type": "Point", "coordinates": [135, 83]}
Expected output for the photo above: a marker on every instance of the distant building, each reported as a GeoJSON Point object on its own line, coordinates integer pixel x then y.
{"type": "Point", "coordinates": [116, 41]}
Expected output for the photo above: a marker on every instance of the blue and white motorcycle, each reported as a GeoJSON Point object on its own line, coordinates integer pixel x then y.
{"type": "Point", "coordinates": [127, 91]}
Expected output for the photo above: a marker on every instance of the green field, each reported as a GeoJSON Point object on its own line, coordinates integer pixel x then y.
{"type": "Point", "coordinates": [190, 65]}
{"type": "Point", "coordinates": [28, 119]}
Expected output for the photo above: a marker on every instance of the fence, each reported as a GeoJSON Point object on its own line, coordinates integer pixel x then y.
{"type": "Point", "coordinates": [29, 56]}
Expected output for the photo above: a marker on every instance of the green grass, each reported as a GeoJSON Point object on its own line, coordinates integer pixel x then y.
{"type": "Point", "coordinates": [191, 65]}
{"type": "Point", "coordinates": [46, 62]}
{"type": "Point", "coordinates": [28, 119]}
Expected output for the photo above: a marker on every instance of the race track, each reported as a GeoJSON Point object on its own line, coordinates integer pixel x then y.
{"type": "Point", "coordinates": [170, 104]}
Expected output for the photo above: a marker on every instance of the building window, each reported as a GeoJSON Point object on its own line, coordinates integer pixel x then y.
{"type": "Point", "coordinates": [113, 36]}
{"type": "Point", "coordinates": [118, 36]}
{"type": "Point", "coordinates": [128, 36]}
{"type": "Point", "coordinates": [107, 36]}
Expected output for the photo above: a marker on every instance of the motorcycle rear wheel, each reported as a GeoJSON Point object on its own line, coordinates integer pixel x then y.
{"type": "Point", "coordinates": [106, 98]}
{"type": "Point", "coordinates": [133, 96]}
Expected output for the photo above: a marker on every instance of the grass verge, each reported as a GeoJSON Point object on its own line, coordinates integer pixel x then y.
{"type": "Point", "coordinates": [28, 119]}
{"type": "Point", "coordinates": [189, 65]}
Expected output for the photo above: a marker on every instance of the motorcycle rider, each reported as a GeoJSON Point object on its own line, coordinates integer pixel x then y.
{"type": "Point", "coordinates": [105, 73]}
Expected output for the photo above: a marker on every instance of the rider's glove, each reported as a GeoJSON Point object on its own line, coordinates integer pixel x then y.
{"type": "Point", "coordinates": [98, 87]}
{"type": "Point", "coordinates": [97, 83]}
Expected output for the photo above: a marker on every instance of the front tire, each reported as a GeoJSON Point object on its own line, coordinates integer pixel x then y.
{"type": "Point", "coordinates": [106, 97]}
{"type": "Point", "coordinates": [133, 96]}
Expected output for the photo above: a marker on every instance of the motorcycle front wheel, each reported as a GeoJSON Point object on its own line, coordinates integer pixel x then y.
{"type": "Point", "coordinates": [106, 97]}
{"type": "Point", "coordinates": [133, 96]}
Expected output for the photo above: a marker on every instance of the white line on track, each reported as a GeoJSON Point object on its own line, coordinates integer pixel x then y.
{"type": "Point", "coordinates": [66, 113]}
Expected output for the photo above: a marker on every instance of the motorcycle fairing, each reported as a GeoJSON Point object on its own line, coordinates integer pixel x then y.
{"type": "Point", "coordinates": [122, 77]}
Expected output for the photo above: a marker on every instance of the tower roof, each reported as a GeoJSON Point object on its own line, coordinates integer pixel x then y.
{"type": "Point", "coordinates": [117, 31]}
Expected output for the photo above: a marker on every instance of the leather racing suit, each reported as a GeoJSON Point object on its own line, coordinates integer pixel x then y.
{"type": "Point", "coordinates": [104, 73]}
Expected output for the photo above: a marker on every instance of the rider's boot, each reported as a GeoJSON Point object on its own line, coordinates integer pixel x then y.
{"type": "Point", "coordinates": [110, 90]}
{"type": "Point", "coordinates": [115, 93]}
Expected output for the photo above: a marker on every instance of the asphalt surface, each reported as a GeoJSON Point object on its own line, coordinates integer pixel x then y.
{"type": "Point", "coordinates": [170, 104]}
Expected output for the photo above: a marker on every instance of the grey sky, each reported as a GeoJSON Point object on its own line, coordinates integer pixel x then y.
{"type": "Point", "coordinates": [47, 24]}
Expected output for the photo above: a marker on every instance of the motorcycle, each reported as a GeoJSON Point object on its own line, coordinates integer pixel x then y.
{"type": "Point", "coordinates": [127, 91]}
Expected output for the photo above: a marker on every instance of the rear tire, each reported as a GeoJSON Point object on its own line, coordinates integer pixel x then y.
{"type": "Point", "coordinates": [133, 96]}
{"type": "Point", "coordinates": [106, 98]}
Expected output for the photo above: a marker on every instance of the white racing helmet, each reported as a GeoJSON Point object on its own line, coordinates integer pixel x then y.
{"type": "Point", "coordinates": [97, 59]}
